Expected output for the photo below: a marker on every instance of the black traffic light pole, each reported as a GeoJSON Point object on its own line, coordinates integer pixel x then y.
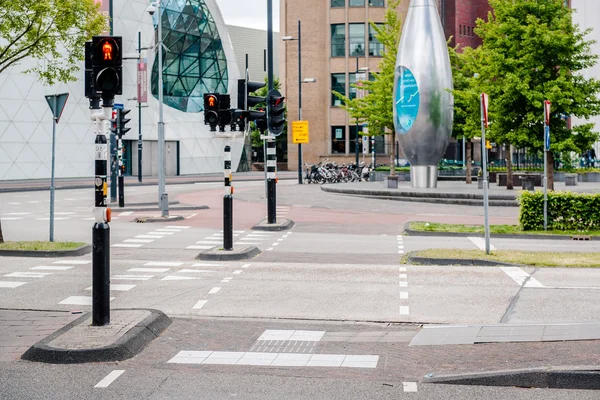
{"type": "Point", "coordinates": [227, 202]}
{"type": "Point", "coordinates": [271, 149]}
{"type": "Point", "coordinates": [120, 182]}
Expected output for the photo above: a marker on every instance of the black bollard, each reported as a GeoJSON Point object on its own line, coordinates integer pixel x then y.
{"type": "Point", "coordinates": [227, 203]}
{"type": "Point", "coordinates": [101, 274]}
{"type": "Point", "coordinates": [271, 182]}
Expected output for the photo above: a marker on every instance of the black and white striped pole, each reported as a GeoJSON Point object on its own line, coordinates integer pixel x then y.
{"type": "Point", "coordinates": [101, 229]}
{"type": "Point", "coordinates": [271, 181]}
{"type": "Point", "coordinates": [121, 178]}
{"type": "Point", "coordinates": [227, 202]}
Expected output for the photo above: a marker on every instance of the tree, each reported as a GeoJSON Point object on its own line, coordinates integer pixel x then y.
{"type": "Point", "coordinates": [376, 107]}
{"type": "Point", "coordinates": [467, 117]}
{"type": "Point", "coordinates": [50, 31]}
{"type": "Point", "coordinates": [533, 52]}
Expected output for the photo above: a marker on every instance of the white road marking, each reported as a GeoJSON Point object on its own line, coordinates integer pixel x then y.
{"type": "Point", "coordinates": [209, 242]}
{"type": "Point", "coordinates": [258, 235]}
{"type": "Point", "coordinates": [138, 240]}
{"type": "Point", "coordinates": [214, 290]}
{"type": "Point", "coordinates": [275, 244]}
{"type": "Point", "coordinates": [167, 230]}
{"type": "Point", "coordinates": [402, 276]}
{"type": "Point", "coordinates": [191, 216]}
{"type": "Point", "coordinates": [79, 300]}
{"type": "Point", "coordinates": [149, 236]}
{"type": "Point", "coordinates": [51, 268]}
{"type": "Point", "coordinates": [12, 218]}
{"type": "Point", "coordinates": [178, 227]}
{"type": "Point", "coordinates": [155, 270]}
{"type": "Point", "coordinates": [403, 284]}
{"type": "Point", "coordinates": [199, 247]}
{"type": "Point", "coordinates": [126, 245]}
{"type": "Point", "coordinates": [48, 219]}
{"type": "Point", "coordinates": [246, 265]}
{"type": "Point", "coordinates": [200, 304]}
{"type": "Point", "coordinates": [163, 264]}
{"type": "Point", "coordinates": [400, 251]}
{"type": "Point", "coordinates": [18, 213]}
{"type": "Point", "coordinates": [110, 378]}
{"type": "Point", "coordinates": [118, 288]}
{"type": "Point", "coordinates": [403, 310]}
{"type": "Point", "coordinates": [225, 280]}
{"type": "Point", "coordinates": [159, 232]}
{"type": "Point", "coordinates": [410, 386]}
{"type": "Point", "coordinates": [403, 295]}
{"type": "Point", "coordinates": [194, 271]}
{"type": "Point", "coordinates": [245, 243]}
{"type": "Point", "coordinates": [73, 262]}
{"type": "Point", "coordinates": [177, 278]}
{"type": "Point", "coordinates": [239, 271]}
{"type": "Point", "coordinates": [206, 265]}
{"type": "Point", "coordinates": [133, 277]}
{"type": "Point", "coordinates": [269, 249]}
{"type": "Point", "coordinates": [11, 285]}
{"type": "Point", "coordinates": [291, 335]}
{"type": "Point", "coordinates": [520, 276]}
{"type": "Point", "coordinates": [125, 213]}
{"type": "Point", "coordinates": [402, 269]}
{"type": "Point", "coordinates": [28, 274]}
{"type": "Point", "coordinates": [480, 243]}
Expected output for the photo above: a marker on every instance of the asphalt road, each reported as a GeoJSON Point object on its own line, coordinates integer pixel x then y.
{"type": "Point", "coordinates": [339, 264]}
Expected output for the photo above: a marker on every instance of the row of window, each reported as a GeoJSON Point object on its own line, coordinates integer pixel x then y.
{"type": "Point", "coordinates": [356, 41]}
{"type": "Point", "coordinates": [356, 3]}
{"type": "Point", "coordinates": [338, 83]}
{"type": "Point", "coordinates": [464, 30]}
{"type": "Point", "coordinates": [339, 144]}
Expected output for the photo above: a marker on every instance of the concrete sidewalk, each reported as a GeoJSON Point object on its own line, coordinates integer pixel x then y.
{"type": "Point", "coordinates": [87, 183]}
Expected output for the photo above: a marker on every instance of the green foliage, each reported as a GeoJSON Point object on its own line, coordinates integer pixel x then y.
{"type": "Point", "coordinates": [376, 108]}
{"type": "Point", "coordinates": [566, 211]}
{"type": "Point", "coordinates": [533, 52]}
{"type": "Point", "coordinates": [50, 31]}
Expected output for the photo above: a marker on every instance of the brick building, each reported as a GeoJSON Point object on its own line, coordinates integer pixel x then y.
{"type": "Point", "coordinates": [337, 42]}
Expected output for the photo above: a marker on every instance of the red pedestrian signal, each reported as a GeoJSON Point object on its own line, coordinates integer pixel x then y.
{"type": "Point", "coordinates": [107, 49]}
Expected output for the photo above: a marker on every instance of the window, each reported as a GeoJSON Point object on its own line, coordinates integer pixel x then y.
{"type": "Point", "coordinates": [376, 3]}
{"type": "Point", "coordinates": [338, 83]}
{"type": "Point", "coordinates": [338, 40]}
{"type": "Point", "coordinates": [356, 39]}
{"type": "Point", "coordinates": [353, 138]}
{"type": "Point", "coordinates": [375, 47]}
{"type": "Point", "coordinates": [338, 139]}
{"type": "Point", "coordinates": [338, 3]}
{"type": "Point", "coordinates": [357, 3]}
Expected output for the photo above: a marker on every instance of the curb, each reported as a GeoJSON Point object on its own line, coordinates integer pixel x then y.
{"type": "Point", "coordinates": [127, 346]}
{"type": "Point", "coordinates": [148, 209]}
{"type": "Point", "coordinates": [457, 262]}
{"type": "Point", "coordinates": [551, 378]}
{"type": "Point", "coordinates": [80, 251]}
{"type": "Point", "coordinates": [241, 253]}
{"type": "Point", "coordinates": [115, 206]}
{"type": "Point", "coordinates": [142, 220]}
{"type": "Point", "coordinates": [283, 225]}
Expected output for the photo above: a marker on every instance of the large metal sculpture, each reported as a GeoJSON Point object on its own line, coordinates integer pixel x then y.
{"type": "Point", "coordinates": [423, 106]}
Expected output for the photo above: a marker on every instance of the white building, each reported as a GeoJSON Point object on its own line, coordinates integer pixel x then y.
{"type": "Point", "coordinates": [201, 59]}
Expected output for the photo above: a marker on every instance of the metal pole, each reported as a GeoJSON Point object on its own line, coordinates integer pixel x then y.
{"type": "Point", "coordinates": [52, 175]}
{"type": "Point", "coordinates": [373, 151]}
{"type": "Point", "coordinates": [299, 99]}
{"type": "Point", "coordinates": [121, 181]}
{"type": "Point", "coordinates": [227, 203]}
{"type": "Point", "coordinates": [464, 154]}
{"type": "Point", "coordinates": [101, 232]}
{"type": "Point", "coordinates": [113, 141]}
{"type": "Point", "coordinates": [356, 137]}
{"type": "Point", "coordinates": [271, 148]}
{"type": "Point", "coordinates": [486, 221]}
{"type": "Point", "coordinates": [545, 178]}
{"type": "Point", "coordinates": [163, 199]}
{"type": "Point", "coordinates": [140, 144]}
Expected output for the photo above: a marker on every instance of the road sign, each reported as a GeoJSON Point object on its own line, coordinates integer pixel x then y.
{"type": "Point", "coordinates": [118, 106]}
{"type": "Point", "coordinates": [57, 104]}
{"type": "Point", "coordinates": [547, 137]}
{"type": "Point", "coordinates": [300, 132]}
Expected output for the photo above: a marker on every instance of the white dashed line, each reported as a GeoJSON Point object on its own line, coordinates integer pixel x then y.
{"type": "Point", "coordinates": [239, 271]}
{"type": "Point", "coordinates": [200, 304]}
{"type": "Point", "coordinates": [154, 270]}
{"type": "Point", "coordinates": [403, 310]}
{"type": "Point", "coordinates": [403, 295]}
{"type": "Point", "coordinates": [410, 386]}
{"type": "Point", "coordinates": [138, 240]}
{"type": "Point", "coordinates": [480, 243]}
{"type": "Point", "coordinates": [191, 216]}
{"type": "Point", "coordinates": [110, 378]}
{"type": "Point", "coordinates": [127, 245]}
{"type": "Point", "coordinates": [246, 265]}
{"type": "Point", "coordinates": [163, 264]}
{"type": "Point", "coordinates": [214, 290]}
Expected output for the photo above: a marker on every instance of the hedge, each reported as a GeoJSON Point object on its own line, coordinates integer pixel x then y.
{"type": "Point", "coordinates": [567, 211]}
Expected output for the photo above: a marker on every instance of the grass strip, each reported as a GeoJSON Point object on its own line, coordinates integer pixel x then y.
{"type": "Point", "coordinates": [494, 229]}
{"type": "Point", "coordinates": [40, 246]}
{"type": "Point", "coordinates": [530, 258]}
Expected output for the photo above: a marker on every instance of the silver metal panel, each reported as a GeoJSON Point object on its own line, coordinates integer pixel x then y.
{"type": "Point", "coordinates": [424, 52]}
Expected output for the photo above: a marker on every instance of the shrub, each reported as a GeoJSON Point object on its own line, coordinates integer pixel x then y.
{"type": "Point", "coordinates": [567, 211]}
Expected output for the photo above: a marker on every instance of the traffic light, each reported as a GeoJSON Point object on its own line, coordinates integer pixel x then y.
{"type": "Point", "coordinates": [211, 110]}
{"type": "Point", "coordinates": [224, 111]}
{"type": "Point", "coordinates": [245, 101]}
{"type": "Point", "coordinates": [275, 112]}
{"type": "Point", "coordinates": [107, 60]}
{"type": "Point", "coordinates": [122, 121]}
{"type": "Point", "coordinates": [114, 122]}
{"type": "Point", "coordinates": [89, 71]}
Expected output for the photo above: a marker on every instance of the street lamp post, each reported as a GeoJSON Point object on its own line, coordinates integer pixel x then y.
{"type": "Point", "coordinates": [300, 82]}
{"type": "Point", "coordinates": [163, 200]}
{"type": "Point", "coordinates": [358, 70]}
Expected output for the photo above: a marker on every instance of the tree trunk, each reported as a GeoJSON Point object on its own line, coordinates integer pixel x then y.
{"type": "Point", "coordinates": [549, 166]}
{"type": "Point", "coordinates": [1, 237]}
{"type": "Point", "coordinates": [509, 172]}
{"type": "Point", "coordinates": [468, 161]}
{"type": "Point", "coordinates": [392, 154]}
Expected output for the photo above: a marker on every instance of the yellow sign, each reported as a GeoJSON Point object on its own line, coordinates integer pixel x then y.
{"type": "Point", "coordinates": [300, 131]}
{"type": "Point", "coordinates": [488, 145]}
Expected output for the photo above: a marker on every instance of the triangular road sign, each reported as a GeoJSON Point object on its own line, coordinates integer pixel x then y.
{"type": "Point", "coordinates": [57, 104]}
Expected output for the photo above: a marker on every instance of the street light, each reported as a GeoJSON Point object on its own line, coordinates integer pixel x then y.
{"type": "Point", "coordinates": [300, 82]}
{"type": "Point", "coordinates": [358, 70]}
{"type": "Point", "coordinates": [163, 200]}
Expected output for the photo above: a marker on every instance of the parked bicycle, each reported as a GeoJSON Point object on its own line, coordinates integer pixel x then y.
{"type": "Point", "coordinates": [329, 172]}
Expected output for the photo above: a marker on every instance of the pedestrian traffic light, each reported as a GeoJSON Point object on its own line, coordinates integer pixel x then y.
{"type": "Point", "coordinates": [275, 112]}
{"type": "Point", "coordinates": [107, 60]}
{"type": "Point", "coordinates": [211, 110]}
{"type": "Point", "coordinates": [122, 121]}
{"type": "Point", "coordinates": [89, 90]}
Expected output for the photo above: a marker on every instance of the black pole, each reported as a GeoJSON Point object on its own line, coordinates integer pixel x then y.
{"type": "Point", "coordinates": [270, 43]}
{"type": "Point", "coordinates": [299, 98]}
{"type": "Point", "coordinates": [227, 203]}
{"type": "Point", "coordinates": [101, 236]}
{"type": "Point", "coordinates": [356, 137]}
{"type": "Point", "coordinates": [120, 179]}
{"type": "Point", "coordinates": [271, 181]}
{"type": "Point", "coordinates": [140, 144]}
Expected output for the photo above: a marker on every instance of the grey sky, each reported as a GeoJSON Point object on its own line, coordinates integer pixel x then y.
{"type": "Point", "coordinates": [249, 13]}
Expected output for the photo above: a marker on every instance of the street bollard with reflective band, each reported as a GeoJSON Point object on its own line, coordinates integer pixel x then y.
{"type": "Point", "coordinates": [101, 235]}
{"type": "Point", "coordinates": [271, 182]}
{"type": "Point", "coordinates": [227, 203]}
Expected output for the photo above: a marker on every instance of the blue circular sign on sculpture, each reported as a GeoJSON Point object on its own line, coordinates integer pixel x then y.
{"type": "Point", "coordinates": [407, 100]}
